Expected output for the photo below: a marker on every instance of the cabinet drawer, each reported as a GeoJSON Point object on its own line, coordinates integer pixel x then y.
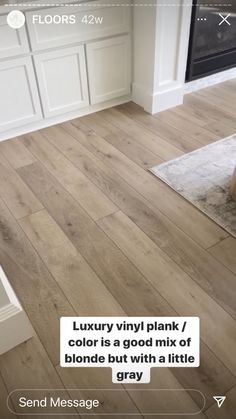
{"type": "Point", "coordinates": [62, 80]}
{"type": "Point", "coordinates": [109, 68]}
{"type": "Point", "coordinates": [19, 100]}
{"type": "Point", "coordinates": [13, 42]}
{"type": "Point", "coordinates": [115, 20]}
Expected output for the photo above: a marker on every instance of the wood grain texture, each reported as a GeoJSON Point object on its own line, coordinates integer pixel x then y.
{"type": "Point", "coordinates": [86, 230]}
{"type": "Point", "coordinates": [40, 296]}
{"type": "Point", "coordinates": [119, 275]}
{"type": "Point", "coordinates": [180, 402]}
{"type": "Point", "coordinates": [200, 134]}
{"type": "Point", "coordinates": [171, 134]}
{"type": "Point", "coordinates": [18, 197]}
{"type": "Point", "coordinates": [225, 252]}
{"type": "Point", "coordinates": [221, 129]}
{"type": "Point", "coordinates": [212, 109]}
{"type": "Point", "coordinates": [82, 287]}
{"type": "Point", "coordinates": [152, 140]}
{"type": "Point", "coordinates": [5, 412]}
{"type": "Point", "coordinates": [165, 233]}
{"type": "Point", "coordinates": [191, 115]}
{"type": "Point", "coordinates": [184, 295]}
{"type": "Point", "coordinates": [127, 144]}
{"type": "Point", "coordinates": [99, 378]}
{"type": "Point", "coordinates": [16, 154]}
{"type": "Point", "coordinates": [170, 204]}
{"type": "Point", "coordinates": [85, 192]}
{"type": "Point", "coordinates": [30, 368]}
{"type": "Point", "coordinates": [102, 379]}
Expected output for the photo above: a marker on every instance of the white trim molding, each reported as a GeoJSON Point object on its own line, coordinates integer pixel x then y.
{"type": "Point", "coordinates": [161, 38]}
{"type": "Point", "coordinates": [15, 326]}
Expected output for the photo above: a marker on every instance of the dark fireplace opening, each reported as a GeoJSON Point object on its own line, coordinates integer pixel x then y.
{"type": "Point", "coordinates": [212, 46]}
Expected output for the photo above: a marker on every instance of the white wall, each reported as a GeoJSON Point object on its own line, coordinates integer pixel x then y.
{"type": "Point", "coordinates": [161, 36]}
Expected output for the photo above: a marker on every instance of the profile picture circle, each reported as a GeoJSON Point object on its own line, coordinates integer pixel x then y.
{"type": "Point", "coordinates": [16, 19]}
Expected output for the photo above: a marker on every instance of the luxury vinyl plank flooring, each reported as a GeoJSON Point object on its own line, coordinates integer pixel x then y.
{"type": "Point", "coordinates": [85, 192]}
{"type": "Point", "coordinates": [221, 129]}
{"type": "Point", "coordinates": [225, 252]}
{"type": "Point", "coordinates": [172, 240]}
{"type": "Point", "coordinates": [142, 136]}
{"type": "Point", "coordinates": [28, 367]}
{"type": "Point", "coordinates": [219, 100]}
{"type": "Point", "coordinates": [192, 116]}
{"type": "Point", "coordinates": [86, 230]}
{"type": "Point", "coordinates": [208, 106]}
{"type": "Point", "coordinates": [16, 154]}
{"type": "Point", "coordinates": [80, 284]}
{"type": "Point", "coordinates": [99, 378]}
{"type": "Point", "coordinates": [180, 139]}
{"type": "Point", "coordinates": [182, 402]}
{"type": "Point", "coordinates": [171, 204]}
{"type": "Point", "coordinates": [184, 295]}
{"type": "Point", "coordinates": [5, 412]}
{"type": "Point", "coordinates": [120, 276]}
{"type": "Point", "coordinates": [15, 193]}
{"type": "Point", "coordinates": [42, 299]}
{"type": "Point", "coordinates": [200, 134]}
{"type": "Point", "coordinates": [125, 143]}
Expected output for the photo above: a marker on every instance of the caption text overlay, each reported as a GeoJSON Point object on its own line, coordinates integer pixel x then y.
{"type": "Point", "coordinates": [130, 345]}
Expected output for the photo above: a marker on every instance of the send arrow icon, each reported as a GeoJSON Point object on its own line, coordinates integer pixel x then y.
{"type": "Point", "coordinates": [219, 400]}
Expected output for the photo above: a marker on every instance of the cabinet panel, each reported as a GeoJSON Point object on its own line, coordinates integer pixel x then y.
{"type": "Point", "coordinates": [13, 42]}
{"type": "Point", "coordinates": [19, 100]}
{"type": "Point", "coordinates": [100, 20]}
{"type": "Point", "coordinates": [62, 80]}
{"type": "Point", "coordinates": [109, 69]}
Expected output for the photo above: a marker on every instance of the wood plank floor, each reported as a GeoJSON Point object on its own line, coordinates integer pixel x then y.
{"type": "Point", "coordinates": [86, 230]}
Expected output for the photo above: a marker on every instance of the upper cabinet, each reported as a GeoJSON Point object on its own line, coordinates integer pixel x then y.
{"type": "Point", "coordinates": [62, 80]}
{"type": "Point", "coordinates": [92, 21]}
{"type": "Point", "coordinates": [18, 88]}
{"type": "Point", "coordinates": [109, 68]}
{"type": "Point", "coordinates": [13, 42]}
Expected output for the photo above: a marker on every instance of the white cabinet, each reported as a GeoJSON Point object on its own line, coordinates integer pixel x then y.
{"type": "Point", "coordinates": [53, 72]}
{"type": "Point", "coordinates": [13, 42]}
{"type": "Point", "coordinates": [62, 80]}
{"type": "Point", "coordinates": [109, 69]}
{"type": "Point", "coordinates": [91, 21]}
{"type": "Point", "coordinates": [19, 100]}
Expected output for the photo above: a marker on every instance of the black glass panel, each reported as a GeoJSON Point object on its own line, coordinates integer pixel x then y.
{"type": "Point", "coordinates": [213, 38]}
{"type": "Point", "coordinates": [214, 35]}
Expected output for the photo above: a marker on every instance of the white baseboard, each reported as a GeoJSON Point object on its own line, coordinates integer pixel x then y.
{"type": "Point", "coordinates": [168, 98]}
{"type": "Point", "coordinates": [211, 80]}
{"type": "Point", "coordinates": [15, 326]}
{"type": "Point", "coordinates": [45, 123]}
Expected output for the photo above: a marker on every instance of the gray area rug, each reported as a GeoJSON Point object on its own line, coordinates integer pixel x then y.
{"type": "Point", "coordinates": [203, 178]}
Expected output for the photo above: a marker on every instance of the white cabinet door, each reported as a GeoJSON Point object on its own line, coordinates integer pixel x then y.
{"type": "Point", "coordinates": [13, 42]}
{"type": "Point", "coordinates": [19, 100]}
{"type": "Point", "coordinates": [109, 69]}
{"type": "Point", "coordinates": [62, 80]}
